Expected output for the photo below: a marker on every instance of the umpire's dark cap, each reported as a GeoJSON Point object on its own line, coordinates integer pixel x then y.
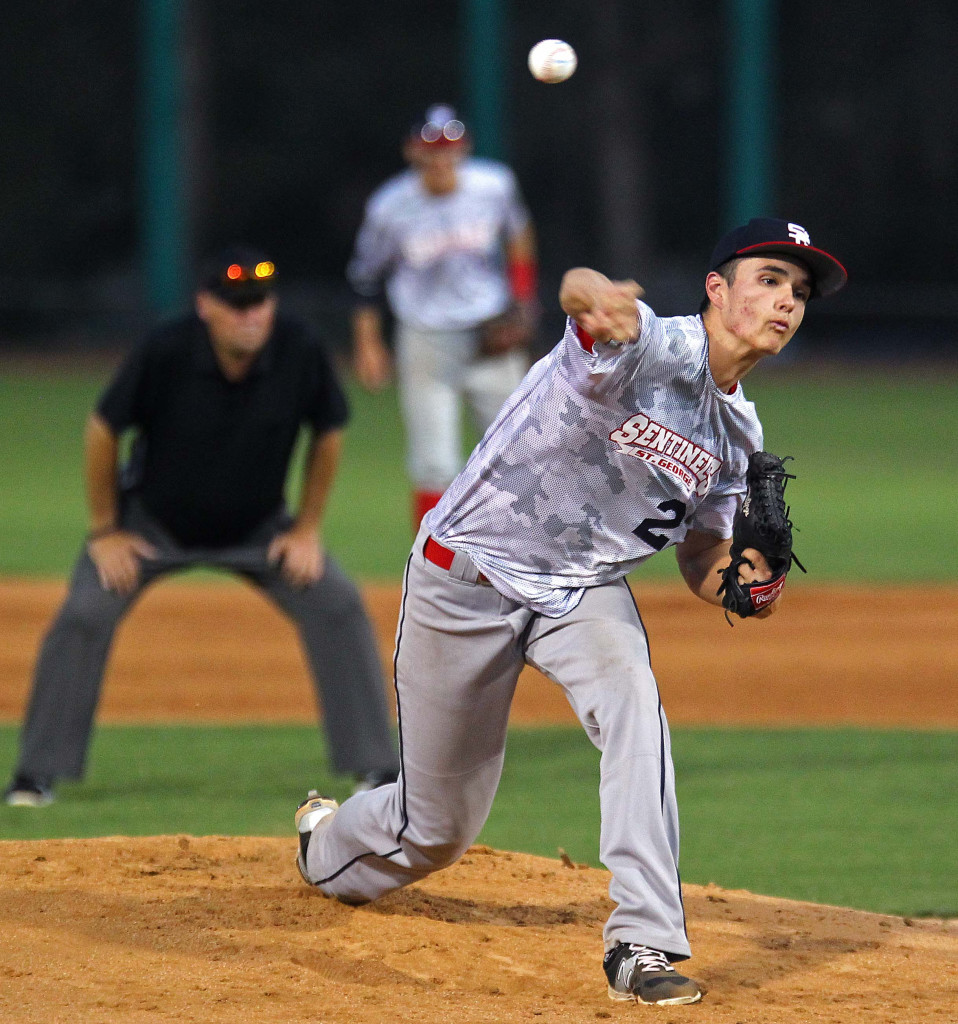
{"type": "Point", "coordinates": [782, 238]}
{"type": "Point", "coordinates": [240, 275]}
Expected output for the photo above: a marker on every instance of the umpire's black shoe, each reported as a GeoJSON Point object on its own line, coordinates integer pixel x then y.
{"type": "Point", "coordinates": [644, 975]}
{"type": "Point", "coordinates": [27, 791]}
{"type": "Point", "coordinates": [373, 780]}
{"type": "Point", "coordinates": [314, 812]}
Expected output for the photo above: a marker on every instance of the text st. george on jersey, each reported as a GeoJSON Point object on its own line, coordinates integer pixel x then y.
{"type": "Point", "coordinates": [440, 256]}
{"type": "Point", "coordinates": [599, 460]}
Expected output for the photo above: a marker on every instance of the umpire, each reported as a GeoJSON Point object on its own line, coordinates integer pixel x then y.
{"type": "Point", "coordinates": [216, 400]}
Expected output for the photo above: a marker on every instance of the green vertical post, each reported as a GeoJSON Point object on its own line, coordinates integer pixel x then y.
{"type": "Point", "coordinates": [749, 186]}
{"type": "Point", "coordinates": [483, 27]}
{"type": "Point", "coordinates": [163, 253]}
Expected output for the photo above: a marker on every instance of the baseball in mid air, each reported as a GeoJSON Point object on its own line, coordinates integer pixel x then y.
{"type": "Point", "coordinates": [552, 61]}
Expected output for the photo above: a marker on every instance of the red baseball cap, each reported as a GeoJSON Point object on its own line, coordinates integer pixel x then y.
{"type": "Point", "coordinates": [782, 238]}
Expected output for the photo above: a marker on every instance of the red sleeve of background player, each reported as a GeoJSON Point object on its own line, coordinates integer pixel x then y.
{"type": "Point", "coordinates": [523, 272]}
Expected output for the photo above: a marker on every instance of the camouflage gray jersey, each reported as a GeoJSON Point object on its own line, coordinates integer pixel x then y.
{"type": "Point", "coordinates": [601, 458]}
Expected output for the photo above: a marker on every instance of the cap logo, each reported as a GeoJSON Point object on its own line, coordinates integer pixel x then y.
{"type": "Point", "coordinates": [799, 235]}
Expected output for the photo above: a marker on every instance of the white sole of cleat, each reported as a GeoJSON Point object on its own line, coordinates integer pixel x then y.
{"type": "Point", "coordinates": [628, 997]}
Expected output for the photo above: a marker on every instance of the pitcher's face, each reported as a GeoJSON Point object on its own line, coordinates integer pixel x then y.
{"type": "Point", "coordinates": [764, 303]}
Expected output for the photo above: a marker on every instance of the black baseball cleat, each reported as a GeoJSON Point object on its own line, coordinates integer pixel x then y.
{"type": "Point", "coordinates": [29, 791]}
{"type": "Point", "coordinates": [644, 975]}
{"type": "Point", "coordinates": [314, 812]}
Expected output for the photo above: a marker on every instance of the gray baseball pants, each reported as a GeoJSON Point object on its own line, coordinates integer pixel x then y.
{"type": "Point", "coordinates": [460, 647]}
{"type": "Point", "coordinates": [336, 634]}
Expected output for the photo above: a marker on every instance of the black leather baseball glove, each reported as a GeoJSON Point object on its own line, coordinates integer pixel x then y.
{"type": "Point", "coordinates": [761, 523]}
{"type": "Point", "coordinates": [510, 330]}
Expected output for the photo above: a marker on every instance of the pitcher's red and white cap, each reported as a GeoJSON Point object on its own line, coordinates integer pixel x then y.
{"type": "Point", "coordinates": [782, 238]}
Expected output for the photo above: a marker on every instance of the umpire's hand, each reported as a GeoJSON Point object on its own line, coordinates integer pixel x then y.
{"type": "Point", "coordinates": [117, 559]}
{"type": "Point", "coordinates": [299, 554]}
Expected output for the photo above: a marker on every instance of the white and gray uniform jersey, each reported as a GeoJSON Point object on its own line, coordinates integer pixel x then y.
{"type": "Point", "coordinates": [599, 460]}
{"type": "Point", "coordinates": [440, 256]}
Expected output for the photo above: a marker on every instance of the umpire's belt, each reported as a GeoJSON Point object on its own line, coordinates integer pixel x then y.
{"type": "Point", "coordinates": [459, 565]}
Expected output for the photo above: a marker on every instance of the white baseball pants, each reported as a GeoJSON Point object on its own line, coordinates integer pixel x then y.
{"type": "Point", "coordinates": [437, 371]}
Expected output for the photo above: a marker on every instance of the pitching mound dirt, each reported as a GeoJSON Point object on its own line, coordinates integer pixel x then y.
{"type": "Point", "coordinates": [218, 929]}
{"type": "Point", "coordinates": [222, 930]}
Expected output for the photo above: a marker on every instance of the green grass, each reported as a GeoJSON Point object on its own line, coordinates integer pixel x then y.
{"type": "Point", "coordinates": [853, 817]}
{"type": "Point", "coordinates": [42, 515]}
{"type": "Point", "coordinates": [877, 477]}
{"type": "Point", "coordinates": [875, 495]}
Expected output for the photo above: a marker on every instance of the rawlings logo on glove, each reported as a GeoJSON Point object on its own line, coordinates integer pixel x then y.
{"type": "Point", "coordinates": [761, 523]}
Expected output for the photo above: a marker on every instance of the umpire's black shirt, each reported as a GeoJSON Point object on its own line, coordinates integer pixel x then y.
{"type": "Point", "coordinates": [211, 457]}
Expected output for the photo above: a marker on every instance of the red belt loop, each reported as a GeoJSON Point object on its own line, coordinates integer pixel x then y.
{"type": "Point", "coordinates": [438, 554]}
{"type": "Point", "coordinates": [442, 556]}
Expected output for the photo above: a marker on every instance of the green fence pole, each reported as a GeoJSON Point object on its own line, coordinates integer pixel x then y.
{"type": "Point", "coordinates": [749, 186]}
{"type": "Point", "coordinates": [163, 205]}
{"type": "Point", "coordinates": [483, 74]}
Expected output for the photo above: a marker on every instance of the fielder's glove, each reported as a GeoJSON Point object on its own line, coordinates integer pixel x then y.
{"type": "Point", "coordinates": [761, 523]}
{"type": "Point", "coordinates": [511, 330]}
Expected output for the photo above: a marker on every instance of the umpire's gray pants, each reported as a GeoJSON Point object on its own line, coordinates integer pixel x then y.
{"type": "Point", "coordinates": [335, 632]}
{"type": "Point", "coordinates": [460, 648]}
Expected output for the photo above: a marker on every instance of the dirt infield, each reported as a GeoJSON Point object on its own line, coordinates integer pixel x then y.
{"type": "Point", "coordinates": [217, 929]}
{"type": "Point", "coordinates": [833, 655]}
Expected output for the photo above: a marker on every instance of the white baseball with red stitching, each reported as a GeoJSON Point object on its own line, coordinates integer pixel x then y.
{"type": "Point", "coordinates": [552, 61]}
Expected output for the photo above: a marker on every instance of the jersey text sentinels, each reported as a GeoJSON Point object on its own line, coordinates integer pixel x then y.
{"type": "Point", "coordinates": [643, 438]}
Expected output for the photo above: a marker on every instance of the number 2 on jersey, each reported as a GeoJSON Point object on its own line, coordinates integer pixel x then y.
{"type": "Point", "coordinates": [655, 540]}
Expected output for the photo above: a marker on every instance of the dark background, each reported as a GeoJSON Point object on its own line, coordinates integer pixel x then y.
{"type": "Point", "coordinates": [296, 111]}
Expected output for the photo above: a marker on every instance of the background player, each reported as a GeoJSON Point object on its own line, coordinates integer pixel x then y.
{"type": "Point", "coordinates": [217, 400]}
{"type": "Point", "coordinates": [451, 240]}
{"type": "Point", "coordinates": [631, 436]}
